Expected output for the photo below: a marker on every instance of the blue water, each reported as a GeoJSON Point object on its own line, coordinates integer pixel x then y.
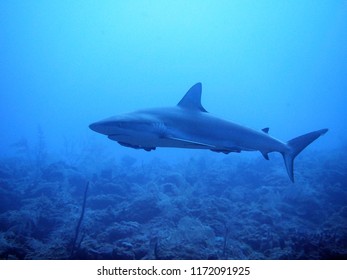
{"type": "Point", "coordinates": [64, 65]}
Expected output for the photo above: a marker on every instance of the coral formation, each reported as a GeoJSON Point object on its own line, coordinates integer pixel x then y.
{"type": "Point", "coordinates": [200, 208]}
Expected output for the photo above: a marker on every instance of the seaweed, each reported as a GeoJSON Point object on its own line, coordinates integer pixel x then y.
{"type": "Point", "coordinates": [77, 231]}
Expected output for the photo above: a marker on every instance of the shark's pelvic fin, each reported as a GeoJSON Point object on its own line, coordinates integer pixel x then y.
{"type": "Point", "coordinates": [295, 146]}
{"type": "Point", "coordinates": [192, 99]}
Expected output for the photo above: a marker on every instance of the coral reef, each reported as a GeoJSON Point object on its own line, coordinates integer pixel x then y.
{"type": "Point", "coordinates": [199, 208]}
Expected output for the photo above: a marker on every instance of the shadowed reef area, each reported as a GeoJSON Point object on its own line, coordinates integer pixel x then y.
{"type": "Point", "coordinates": [226, 207]}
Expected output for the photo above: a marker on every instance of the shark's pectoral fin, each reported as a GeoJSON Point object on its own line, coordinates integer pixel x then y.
{"type": "Point", "coordinates": [148, 149]}
{"type": "Point", "coordinates": [129, 145]}
{"type": "Point", "coordinates": [201, 145]}
{"type": "Point", "coordinates": [189, 142]}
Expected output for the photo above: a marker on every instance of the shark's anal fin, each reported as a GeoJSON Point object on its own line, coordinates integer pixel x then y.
{"type": "Point", "coordinates": [192, 99]}
{"type": "Point", "coordinates": [265, 155]}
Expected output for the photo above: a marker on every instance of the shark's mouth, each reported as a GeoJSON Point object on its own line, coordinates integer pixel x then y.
{"type": "Point", "coordinates": [115, 136]}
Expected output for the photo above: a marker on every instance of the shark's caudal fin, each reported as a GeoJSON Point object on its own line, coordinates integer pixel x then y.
{"type": "Point", "coordinates": [192, 99]}
{"type": "Point", "coordinates": [295, 146]}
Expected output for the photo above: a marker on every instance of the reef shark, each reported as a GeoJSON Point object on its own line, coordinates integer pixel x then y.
{"type": "Point", "coordinates": [189, 125]}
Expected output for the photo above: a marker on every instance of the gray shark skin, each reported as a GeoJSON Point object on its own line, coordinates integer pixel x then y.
{"type": "Point", "coordinates": [189, 125]}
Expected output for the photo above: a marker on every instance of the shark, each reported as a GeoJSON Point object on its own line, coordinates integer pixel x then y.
{"type": "Point", "coordinates": [189, 125]}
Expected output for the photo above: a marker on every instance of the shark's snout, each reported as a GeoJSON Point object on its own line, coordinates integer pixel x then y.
{"type": "Point", "coordinates": [99, 127]}
{"type": "Point", "coordinates": [106, 127]}
{"type": "Point", "coordinates": [94, 126]}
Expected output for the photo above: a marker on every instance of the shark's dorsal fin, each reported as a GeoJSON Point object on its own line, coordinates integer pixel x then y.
{"type": "Point", "coordinates": [192, 99]}
{"type": "Point", "coordinates": [266, 130]}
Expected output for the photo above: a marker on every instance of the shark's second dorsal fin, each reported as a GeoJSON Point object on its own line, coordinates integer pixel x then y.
{"type": "Point", "coordinates": [192, 99]}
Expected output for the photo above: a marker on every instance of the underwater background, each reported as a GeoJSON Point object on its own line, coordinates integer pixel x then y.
{"type": "Point", "coordinates": [69, 193]}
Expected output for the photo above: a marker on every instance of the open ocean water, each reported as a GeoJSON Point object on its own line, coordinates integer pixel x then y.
{"type": "Point", "coordinates": [69, 193]}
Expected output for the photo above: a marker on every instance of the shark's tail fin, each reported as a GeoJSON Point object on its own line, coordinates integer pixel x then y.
{"type": "Point", "coordinates": [295, 146]}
